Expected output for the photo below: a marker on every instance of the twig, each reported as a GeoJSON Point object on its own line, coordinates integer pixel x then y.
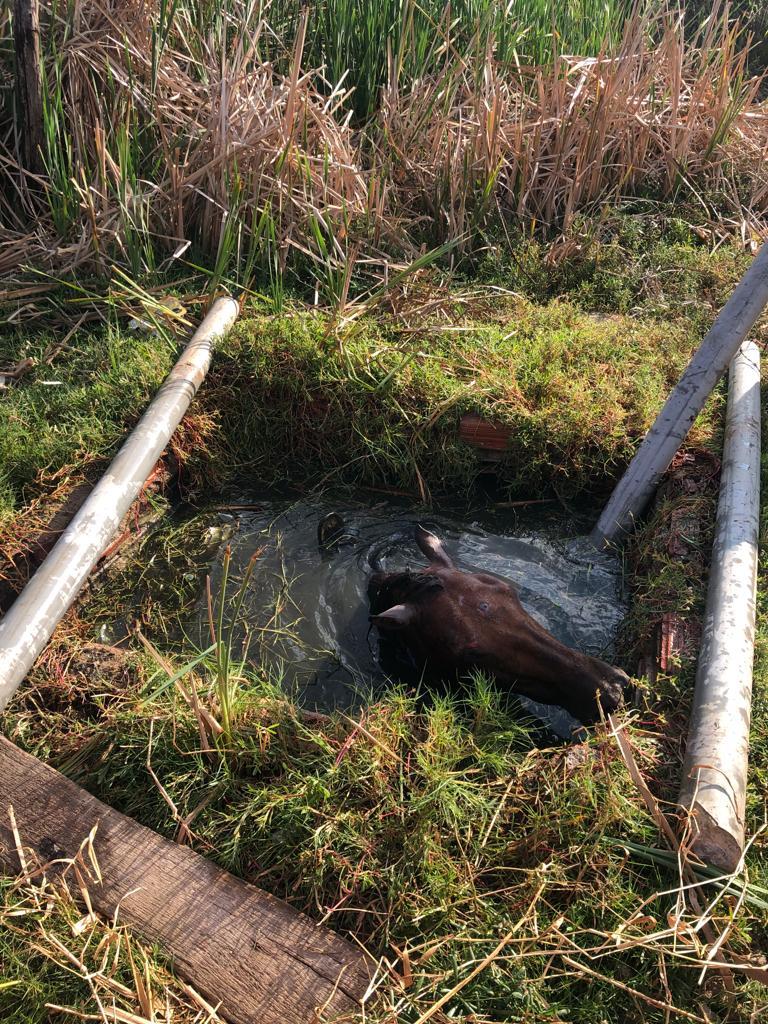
{"type": "Point", "coordinates": [658, 1003]}
{"type": "Point", "coordinates": [379, 743]}
{"type": "Point", "coordinates": [465, 981]}
{"type": "Point", "coordinates": [183, 833]}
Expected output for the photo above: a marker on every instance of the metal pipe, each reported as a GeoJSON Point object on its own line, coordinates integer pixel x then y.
{"type": "Point", "coordinates": [715, 771]}
{"type": "Point", "coordinates": [34, 615]}
{"type": "Point", "coordinates": [684, 404]}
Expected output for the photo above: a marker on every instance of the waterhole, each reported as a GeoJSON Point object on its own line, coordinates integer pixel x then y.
{"type": "Point", "coordinates": [304, 613]}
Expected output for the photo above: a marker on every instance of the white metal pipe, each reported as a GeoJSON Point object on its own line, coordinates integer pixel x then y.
{"type": "Point", "coordinates": [684, 404]}
{"type": "Point", "coordinates": [715, 771]}
{"type": "Point", "coordinates": [34, 615]}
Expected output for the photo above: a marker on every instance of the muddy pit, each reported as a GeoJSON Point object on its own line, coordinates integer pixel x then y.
{"type": "Point", "coordinates": [304, 616]}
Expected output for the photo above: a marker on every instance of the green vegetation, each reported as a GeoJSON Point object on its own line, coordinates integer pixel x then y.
{"type": "Point", "coordinates": [100, 387]}
{"type": "Point", "coordinates": [421, 830]}
{"type": "Point", "coordinates": [429, 831]}
{"type": "Point", "coordinates": [429, 827]}
{"type": "Point", "coordinates": [577, 380]}
{"type": "Point", "coordinates": [575, 393]}
{"type": "Point", "coordinates": [345, 36]}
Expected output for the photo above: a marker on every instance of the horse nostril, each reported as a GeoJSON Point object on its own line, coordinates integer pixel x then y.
{"type": "Point", "coordinates": [614, 690]}
{"type": "Point", "coordinates": [620, 690]}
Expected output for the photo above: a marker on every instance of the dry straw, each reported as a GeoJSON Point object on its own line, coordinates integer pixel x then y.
{"type": "Point", "coordinates": [540, 144]}
{"type": "Point", "coordinates": [163, 130]}
{"type": "Point", "coordinates": [116, 978]}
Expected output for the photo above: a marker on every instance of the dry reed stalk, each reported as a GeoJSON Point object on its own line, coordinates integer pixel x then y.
{"type": "Point", "coordinates": [167, 136]}
{"type": "Point", "coordinates": [546, 142]}
{"type": "Point", "coordinates": [231, 137]}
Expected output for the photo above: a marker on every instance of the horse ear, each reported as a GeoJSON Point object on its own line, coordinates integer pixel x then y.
{"type": "Point", "coordinates": [397, 617]}
{"type": "Point", "coordinates": [432, 548]}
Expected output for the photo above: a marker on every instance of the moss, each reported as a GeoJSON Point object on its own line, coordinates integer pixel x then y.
{"type": "Point", "coordinates": [658, 264]}
{"type": "Point", "coordinates": [576, 392]}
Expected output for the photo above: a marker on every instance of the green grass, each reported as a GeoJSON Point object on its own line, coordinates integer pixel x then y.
{"type": "Point", "coordinates": [428, 828]}
{"type": "Point", "coordinates": [285, 402]}
{"type": "Point", "coordinates": [100, 388]}
{"type": "Point", "coordinates": [432, 829]}
{"type": "Point", "coordinates": [576, 378]}
{"type": "Point", "coordinates": [576, 393]}
{"type": "Point", "coordinates": [648, 259]}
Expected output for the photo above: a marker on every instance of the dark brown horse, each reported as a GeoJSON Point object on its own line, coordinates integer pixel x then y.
{"type": "Point", "coordinates": [452, 621]}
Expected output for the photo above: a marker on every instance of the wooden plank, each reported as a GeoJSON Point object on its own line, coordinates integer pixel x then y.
{"type": "Point", "coordinates": [260, 959]}
{"type": "Point", "coordinates": [29, 88]}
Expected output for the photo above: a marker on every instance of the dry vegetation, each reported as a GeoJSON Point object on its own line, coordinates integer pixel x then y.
{"type": "Point", "coordinates": [542, 144]}
{"type": "Point", "coordinates": [119, 979]}
{"type": "Point", "coordinates": [200, 124]}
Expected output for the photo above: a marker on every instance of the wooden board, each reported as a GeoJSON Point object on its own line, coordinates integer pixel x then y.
{"type": "Point", "coordinates": [29, 83]}
{"type": "Point", "coordinates": [260, 959]}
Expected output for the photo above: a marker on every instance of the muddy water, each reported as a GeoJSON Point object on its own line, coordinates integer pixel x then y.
{"type": "Point", "coordinates": [305, 612]}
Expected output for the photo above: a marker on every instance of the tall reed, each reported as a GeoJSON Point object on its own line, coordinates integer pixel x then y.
{"type": "Point", "coordinates": [189, 121]}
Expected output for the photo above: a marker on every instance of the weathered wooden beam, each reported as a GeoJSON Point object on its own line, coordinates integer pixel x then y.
{"type": "Point", "coordinates": [260, 959]}
{"type": "Point", "coordinates": [29, 83]}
